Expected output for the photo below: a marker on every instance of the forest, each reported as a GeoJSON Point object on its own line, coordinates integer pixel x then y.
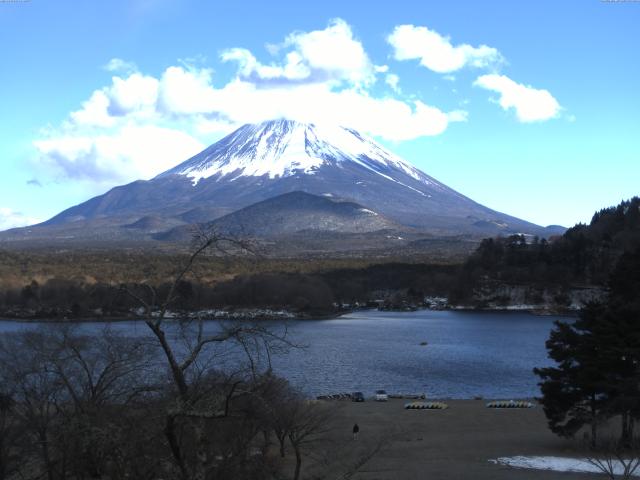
{"type": "Point", "coordinates": [584, 255]}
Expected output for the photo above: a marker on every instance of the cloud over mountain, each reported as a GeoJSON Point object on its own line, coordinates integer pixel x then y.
{"type": "Point", "coordinates": [137, 124]}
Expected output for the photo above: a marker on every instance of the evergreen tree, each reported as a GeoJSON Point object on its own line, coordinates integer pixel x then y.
{"type": "Point", "coordinates": [620, 333]}
{"type": "Point", "coordinates": [598, 360]}
{"type": "Point", "coordinates": [572, 392]}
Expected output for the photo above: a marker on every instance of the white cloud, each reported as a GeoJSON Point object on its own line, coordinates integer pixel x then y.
{"type": "Point", "coordinates": [186, 91]}
{"type": "Point", "coordinates": [334, 49]}
{"type": "Point", "coordinates": [249, 66]}
{"type": "Point", "coordinates": [332, 54]}
{"type": "Point", "coordinates": [119, 65]}
{"type": "Point", "coordinates": [130, 153]}
{"type": "Point", "coordinates": [243, 102]}
{"type": "Point", "coordinates": [133, 93]}
{"type": "Point", "coordinates": [392, 80]}
{"type": "Point", "coordinates": [458, 116]}
{"type": "Point", "coordinates": [140, 125]}
{"type": "Point", "coordinates": [530, 104]}
{"type": "Point", "coordinates": [436, 52]}
{"type": "Point", "coordinates": [12, 219]}
{"type": "Point", "coordinates": [94, 112]}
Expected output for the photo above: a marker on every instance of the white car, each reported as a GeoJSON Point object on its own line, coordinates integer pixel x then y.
{"type": "Point", "coordinates": [381, 396]}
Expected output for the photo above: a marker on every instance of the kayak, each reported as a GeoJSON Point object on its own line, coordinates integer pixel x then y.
{"type": "Point", "coordinates": [425, 406]}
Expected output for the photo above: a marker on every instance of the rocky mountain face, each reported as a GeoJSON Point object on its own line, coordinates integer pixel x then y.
{"type": "Point", "coordinates": [277, 178]}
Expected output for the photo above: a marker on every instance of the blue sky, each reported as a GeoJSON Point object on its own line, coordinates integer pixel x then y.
{"type": "Point", "coordinates": [531, 108]}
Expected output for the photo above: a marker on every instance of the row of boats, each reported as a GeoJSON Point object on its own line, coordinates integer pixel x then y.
{"type": "Point", "coordinates": [357, 395]}
{"type": "Point", "coordinates": [443, 406]}
{"type": "Point", "coordinates": [418, 405]}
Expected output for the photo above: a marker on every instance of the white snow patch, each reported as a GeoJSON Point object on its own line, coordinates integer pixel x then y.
{"type": "Point", "coordinates": [274, 151]}
{"type": "Point", "coordinates": [557, 464]}
{"type": "Point", "coordinates": [283, 148]}
{"type": "Point", "coordinates": [370, 212]}
{"type": "Point", "coordinates": [414, 189]}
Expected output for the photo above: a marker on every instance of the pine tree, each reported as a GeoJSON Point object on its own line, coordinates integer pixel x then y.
{"type": "Point", "coordinates": [598, 360]}
{"type": "Point", "coordinates": [620, 333]}
{"type": "Point", "coordinates": [572, 392]}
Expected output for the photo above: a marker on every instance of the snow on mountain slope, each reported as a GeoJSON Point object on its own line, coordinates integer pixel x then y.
{"type": "Point", "coordinates": [281, 148]}
{"type": "Point", "coordinates": [258, 162]}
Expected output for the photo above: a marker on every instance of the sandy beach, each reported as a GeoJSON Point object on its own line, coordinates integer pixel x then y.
{"type": "Point", "coordinates": [456, 443]}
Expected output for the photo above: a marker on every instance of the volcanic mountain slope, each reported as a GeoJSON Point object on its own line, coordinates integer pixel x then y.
{"type": "Point", "coordinates": [266, 160]}
{"type": "Point", "coordinates": [294, 213]}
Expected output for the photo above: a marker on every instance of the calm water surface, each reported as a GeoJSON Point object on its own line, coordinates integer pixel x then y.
{"type": "Point", "coordinates": [468, 353]}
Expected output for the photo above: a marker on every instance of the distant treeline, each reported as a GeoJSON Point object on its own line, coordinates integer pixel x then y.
{"type": "Point", "coordinates": [584, 256]}
{"type": "Point", "coordinates": [313, 293]}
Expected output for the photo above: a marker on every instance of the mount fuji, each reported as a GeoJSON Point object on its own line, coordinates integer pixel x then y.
{"type": "Point", "coordinates": [269, 160]}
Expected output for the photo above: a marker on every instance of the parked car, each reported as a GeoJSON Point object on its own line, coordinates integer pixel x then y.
{"type": "Point", "coordinates": [357, 397]}
{"type": "Point", "coordinates": [381, 396]}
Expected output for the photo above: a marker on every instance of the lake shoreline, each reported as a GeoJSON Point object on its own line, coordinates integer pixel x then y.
{"type": "Point", "coordinates": [260, 314]}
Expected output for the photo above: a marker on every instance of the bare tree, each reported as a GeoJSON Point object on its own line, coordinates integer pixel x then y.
{"type": "Point", "coordinates": [8, 435]}
{"type": "Point", "coordinates": [200, 398]}
{"type": "Point", "coordinates": [615, 459]}
{"type": "Point", "coordinates": [98, 406]}
{"type": "Point", "coordinates": [309, 421]}
{"type": "Point", "coordinates": [67, 387]}
{"type": "Point", "coordinates": [38, 397]}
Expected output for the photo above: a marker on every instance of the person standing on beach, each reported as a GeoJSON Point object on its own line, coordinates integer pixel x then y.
{"type": "Point", "coordinates": [356, 430]}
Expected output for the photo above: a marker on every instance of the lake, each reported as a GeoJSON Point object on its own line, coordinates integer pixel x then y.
{"type": "Point", "coordinates": [468, 354]}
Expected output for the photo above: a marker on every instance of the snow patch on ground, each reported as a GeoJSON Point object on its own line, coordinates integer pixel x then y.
{"type": "Point", "coordinates": [556, 464]}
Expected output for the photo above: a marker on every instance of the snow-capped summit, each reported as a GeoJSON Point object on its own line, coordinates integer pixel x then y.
{"type": "Point", "coordinates": [281, 148]}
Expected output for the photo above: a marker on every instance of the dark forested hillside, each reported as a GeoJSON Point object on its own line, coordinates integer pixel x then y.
{"type": "Point", "coordinates": [313, 292]}
{"type": "Point", "coordinates": [584, 256]}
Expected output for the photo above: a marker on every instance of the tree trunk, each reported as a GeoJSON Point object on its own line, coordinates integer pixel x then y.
{"type": "Point", "coordinates": [176, 371]}
{"type": "Point", "coordinates": [266, 435]}
{"type": "Point", "coordinates": [594, 423]}
{"type": "Point", "coordinates": [201, 451]}
{"type": "Point", "coordinates": [46, 457]}
{"type": "Point", "coordinates": [176, 452]}
{"type": "Point", "coordinates": [2, 463]}
{"type": "Point", "coordinates": [627, 429]}
{"type": "Point", "coordinates": [296, 475]}
{"type": "Point", "coordinates": [625, 440]}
